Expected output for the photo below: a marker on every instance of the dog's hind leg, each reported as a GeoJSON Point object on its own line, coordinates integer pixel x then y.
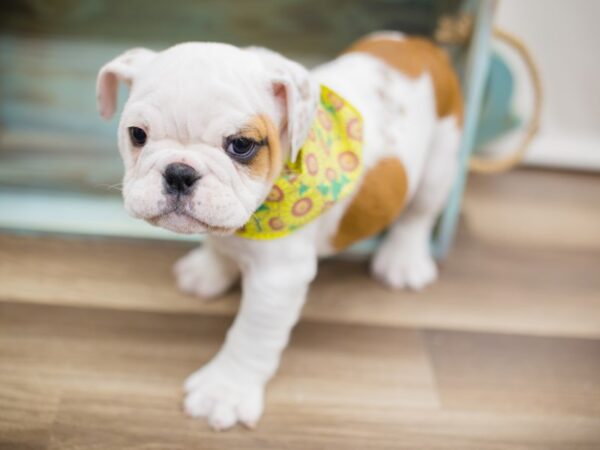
{"type": "Point", "coordinates": [404, 259]}
{"type": "Point", "coordinates": [205, 272]}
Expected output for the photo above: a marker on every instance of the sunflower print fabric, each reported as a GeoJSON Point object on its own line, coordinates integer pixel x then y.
{"type": "Point", "coordinates": [326, 170]}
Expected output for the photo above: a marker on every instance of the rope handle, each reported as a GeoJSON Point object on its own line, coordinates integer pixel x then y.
{"type": "Point", "coordinates": [486, 165]}
{"type": "Point", "coordinates": [458, 31]}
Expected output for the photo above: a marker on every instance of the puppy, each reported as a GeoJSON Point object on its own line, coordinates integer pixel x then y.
{"type": "Point", "coordinates": [281, 166]}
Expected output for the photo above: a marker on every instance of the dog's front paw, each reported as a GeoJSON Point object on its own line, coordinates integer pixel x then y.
{"type": "Point", "coordinates": [223, 398]}
{"type": "Point", "coordinates": [404, 266]}
{"type": "Point", "coordinates": [204, 273]}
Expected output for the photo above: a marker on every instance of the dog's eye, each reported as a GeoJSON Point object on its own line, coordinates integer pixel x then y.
{"type": "Point", "coordinates": [241, 148]}
{"type": "Point", "coordinates": [138, 136]}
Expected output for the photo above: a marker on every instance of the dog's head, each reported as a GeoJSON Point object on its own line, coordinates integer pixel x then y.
{"type": "Point", "coordinates": [205, 130]}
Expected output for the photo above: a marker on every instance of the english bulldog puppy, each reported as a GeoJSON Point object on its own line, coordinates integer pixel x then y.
{"type": "Point", "coordinates": [281, 166]}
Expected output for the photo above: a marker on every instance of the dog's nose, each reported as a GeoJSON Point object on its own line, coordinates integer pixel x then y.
{"type": "Point", "coordinates": [180, 179]}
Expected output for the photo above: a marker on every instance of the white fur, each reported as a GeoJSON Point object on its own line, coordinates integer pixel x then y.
{"type": "Point", "coordinates": [401, 126]}
{"type": "Point", "coordinates": [188, 98]}
{"type": "Point", "coordinates": [404, 258]}
{"type": "Point", "coordinates": [206, 272]}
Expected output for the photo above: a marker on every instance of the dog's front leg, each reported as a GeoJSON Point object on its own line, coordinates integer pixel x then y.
{"type": "Point", "coordinates": [230, 388]}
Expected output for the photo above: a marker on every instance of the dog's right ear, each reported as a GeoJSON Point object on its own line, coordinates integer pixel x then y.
{"type": "Point", "coordinates": [123, 68]}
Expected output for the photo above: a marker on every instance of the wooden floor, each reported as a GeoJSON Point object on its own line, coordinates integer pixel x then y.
{"type": "Point", "coordinates": [503, 353]}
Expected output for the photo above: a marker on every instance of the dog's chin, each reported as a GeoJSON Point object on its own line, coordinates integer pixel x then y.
{"type": "Point", "coordinates": [183, 223]}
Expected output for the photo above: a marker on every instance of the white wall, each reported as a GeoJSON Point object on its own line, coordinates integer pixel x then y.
{"type": "Point", "coordinates": [564, 38]}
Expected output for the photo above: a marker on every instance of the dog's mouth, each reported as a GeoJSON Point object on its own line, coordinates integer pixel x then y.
{"type": "Point", "coordinates": [181, 221]}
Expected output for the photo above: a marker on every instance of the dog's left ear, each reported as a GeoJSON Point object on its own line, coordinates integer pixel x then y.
{"type": "Point", "coordinates": [298, 93]}
{"type": "Point", "coordinates": [123, 68]}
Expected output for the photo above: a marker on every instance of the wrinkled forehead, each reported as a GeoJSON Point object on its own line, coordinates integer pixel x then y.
{"type": "Point", "coordinates": [195, 85]}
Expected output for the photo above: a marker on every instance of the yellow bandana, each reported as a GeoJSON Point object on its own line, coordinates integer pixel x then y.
{"type": "Point", "coordinates": [325, 171]}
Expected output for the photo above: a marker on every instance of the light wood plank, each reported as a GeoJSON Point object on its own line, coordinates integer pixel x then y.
{"type": "Point", "coordinates": [536, 210]}
{"type": "Point", "coordinates": [117, 361]}
{"type": "Point", "coordinates": [117, 377]}
{"type": "Point", "coordinates": [482, 286]}
{"type": "Point", "coordinates": [508, 272]}
{"type": "Point", "coordinates": [517, 374]}
{"type": "Point", "coordinates": [502, 353]}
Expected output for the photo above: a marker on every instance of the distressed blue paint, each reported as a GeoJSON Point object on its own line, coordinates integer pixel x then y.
{"type": "Point", "coordinates": [497, 117]}
{"type": "Point", "coordinates": [49, 87]}
{"type": "Point", "coordinates": [476, 71]}
{"type": "Point", "coordinates": [60, 212]}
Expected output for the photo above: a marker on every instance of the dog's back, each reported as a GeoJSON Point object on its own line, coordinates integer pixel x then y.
{"type": "Point", "coordinates": [404, 87]}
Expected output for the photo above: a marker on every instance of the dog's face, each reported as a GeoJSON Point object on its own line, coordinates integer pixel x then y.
{"type": "Point", "coordinates": [205, 130]}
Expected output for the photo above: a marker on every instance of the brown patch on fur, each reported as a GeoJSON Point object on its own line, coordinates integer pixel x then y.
{"type": "Point", "coordinates": [267, 163]}
{"type": "Point", "coordinates": [377, 204]}
{"type": "Point", "coordinates": [414, 56]}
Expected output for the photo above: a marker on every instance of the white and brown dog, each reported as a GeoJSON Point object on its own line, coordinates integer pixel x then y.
{"type": "Point", "coordinates": [207, 130]}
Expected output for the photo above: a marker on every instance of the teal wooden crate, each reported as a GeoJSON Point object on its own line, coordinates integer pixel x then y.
{"type": "Point", "coordinates": [474, 74]}
{"type": "Point", "coordinates": [55, 151]}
